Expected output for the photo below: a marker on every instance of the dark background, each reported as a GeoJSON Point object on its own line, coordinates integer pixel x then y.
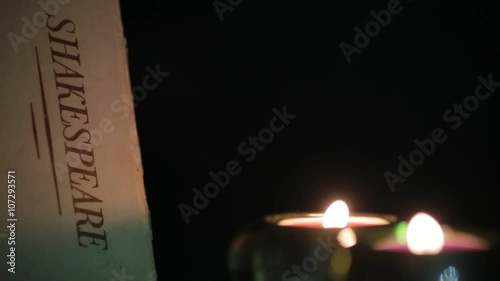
{"type": "Point", "coordinates": [353, 120]}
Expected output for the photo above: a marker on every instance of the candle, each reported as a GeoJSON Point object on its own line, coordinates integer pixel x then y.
{"type": "Point", "coordinates": [425, 236]}
{"type": "Point", "coordinates": [300, 246]}
{"type": "Point", "coordinates": [423, 249]}
{"type": "Point", "coordinates": [336, 216]}
{"type": "Point", "coordinates": [316, 221]}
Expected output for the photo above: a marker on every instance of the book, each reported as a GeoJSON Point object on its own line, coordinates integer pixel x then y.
{"type": "Point", "coordinates": [73, 202]}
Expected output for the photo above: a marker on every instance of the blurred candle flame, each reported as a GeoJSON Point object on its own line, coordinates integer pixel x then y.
{"type": "Point", "coordinates": [337, 215]}
{"type": "Point", "coordinates": [424, 235]}
{"type": "Point", "coordinates": [347, 238]}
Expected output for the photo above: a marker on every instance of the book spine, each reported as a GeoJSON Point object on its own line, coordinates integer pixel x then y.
{"type": "Point", "coordinates": [73, 201]}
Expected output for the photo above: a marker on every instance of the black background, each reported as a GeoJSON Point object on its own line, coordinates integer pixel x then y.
{"type": "Point", "coordinates": [353, 120]}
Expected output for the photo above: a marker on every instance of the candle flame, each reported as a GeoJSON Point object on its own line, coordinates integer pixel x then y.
{"type": "Point", "coordinates": [337, 215]}
{"type": "Point", "coordinates": [424, 235]}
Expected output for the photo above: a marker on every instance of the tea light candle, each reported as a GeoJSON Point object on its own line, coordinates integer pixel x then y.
{"type": "Point", "coordinates": [423, 249]}
{"type": "Point", "coordinates": [425, 236]}
{"type": "Point", "coordinates": [336, 216]}
{"type": "Point", "coordinates": [300, 246]}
